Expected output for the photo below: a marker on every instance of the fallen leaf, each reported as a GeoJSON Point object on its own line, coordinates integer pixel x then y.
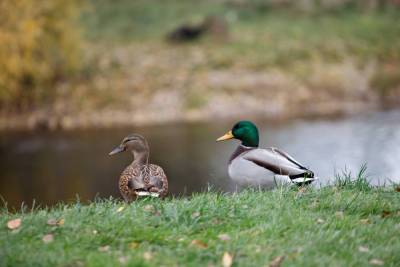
{"type": "Point", "coordinates": [195, 214]}
{"type": "Point", "coordinates": [148, 207]}
{"type": "Point", "coordinates": [227, 260]}
{"type": "Point", "coordinates": [157, 213]}
{"type": "Point", "coordinates": [147, 255]}
{"type": "Point", "coordinates": [48, 238]}
{"type": "Point", "coordinates": [123, 259]}
{"type": "Point", "coordinates": [363, 249]}
{"type": "Point", "coordinates": [224, 237]}
{"type": "Point", "coordinates": [120, 208]}
{"type": "Point", "coordinates": [314, 204]}
{"type": "Point", "coordinates": [276, 262]}
{"type": "Point", "coordinates": [52, 222]}
{"type": "Point", "coordinates": [302, 189]}
{"type": "Point", "coordinates": [319, 220]}
{"type": "Point", "coordinates": [133, 245]}
{"type": "Point", "coordinates": [365, 221]}
{"type": "Point", "coordinates": [216, 221]}
{"type": "Point", "coordinates": [104, 248]}
{"type": "Point", "coordinates": [14, 224]}
{"type": "Point", "coordinates": [78, 263]}
{"type": "Point", "coordinates": [376, 262]}
{"type": "Point", "coordinates": [295, 252]}
{"type": "Point", "coordinates": [55, 222]}
{"type": "Point", "coordinates": [94, 232]}
{"type": "Point", "coordinates": [339, 214]}
{"type": "Point", "coordinates": [198, 243]}
{"type": "Point", "coordinates": [386, 213]}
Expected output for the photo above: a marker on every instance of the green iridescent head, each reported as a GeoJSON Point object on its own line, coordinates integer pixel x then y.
{"type": "Point", "coordinates": [245, 131]}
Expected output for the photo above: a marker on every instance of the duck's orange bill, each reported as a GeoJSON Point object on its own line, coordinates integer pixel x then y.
{"type": "Point", "coordinates": [226, 136]}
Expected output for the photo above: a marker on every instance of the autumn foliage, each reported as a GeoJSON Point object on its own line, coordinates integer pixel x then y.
{"type": "Point", "coordinates": [39, 46]}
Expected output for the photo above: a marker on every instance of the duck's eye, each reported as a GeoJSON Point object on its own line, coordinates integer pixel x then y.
{"type": "Point", "coordinates": [128, 140]}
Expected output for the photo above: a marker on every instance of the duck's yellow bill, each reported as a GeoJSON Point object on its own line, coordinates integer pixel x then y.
{"type": "Point", "coordinates": [226, 136]}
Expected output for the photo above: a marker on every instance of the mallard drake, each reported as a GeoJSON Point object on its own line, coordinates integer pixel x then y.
{"type": "Point", "coordinates": [140, 178]}
{"type": "Point", "coordinates": [265, 167]}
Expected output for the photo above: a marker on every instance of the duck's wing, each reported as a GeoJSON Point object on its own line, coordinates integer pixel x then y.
{"type": "Point", "coordinates": [288, 157]}
{"type": "Point", "coordinates": [280, 163]}
{"type": "Point", "coordinates": [158, 180]}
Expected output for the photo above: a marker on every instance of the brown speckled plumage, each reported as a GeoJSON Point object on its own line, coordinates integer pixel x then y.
{"type": "Point", "coordinates": [140, 176]}
{"type": "Point", "coordinates": [149, 178]}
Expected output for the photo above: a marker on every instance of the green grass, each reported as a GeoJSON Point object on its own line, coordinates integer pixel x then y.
{"type": "Point", "coordinates": [314, 227]}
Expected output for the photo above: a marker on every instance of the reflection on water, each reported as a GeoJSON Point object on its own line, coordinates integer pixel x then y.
{"type": "Point", "coordinates": [56, 166]}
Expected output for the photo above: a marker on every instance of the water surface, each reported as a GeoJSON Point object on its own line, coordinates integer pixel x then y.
{"type": "Point", "coordinates": [57, 166]}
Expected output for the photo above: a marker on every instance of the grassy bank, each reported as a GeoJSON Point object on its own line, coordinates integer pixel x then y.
{"type": "Point", "coordinates": [348, 225]}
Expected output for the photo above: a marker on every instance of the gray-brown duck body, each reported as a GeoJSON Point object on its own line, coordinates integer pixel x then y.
{"type": "Point", "coordinates": [140, 178]}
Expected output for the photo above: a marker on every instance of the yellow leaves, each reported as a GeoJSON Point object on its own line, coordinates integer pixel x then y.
{"type": "Point", "coordinates": [301, 192]}
{"type": "Point", "coordinates": [48, 238]}
{"type": "Point", "coordinates": [104, 248]}
{"type": "Point", "coordinates": [198, 243]}
{"type": "Point", "coordinates": [123, 260]}
{"type": "Point", "coordinates": [276, 262]}
{"type": "Point", "coordinates": [363, 249]}
{"type": "Point", "coordinates": [339, 214]}
{"type": "Point", "coordinates": [147, 255]}
{"type": "Point", "coordinates": [314, 204]}
{"type": "Point", "coordinates": [227, 260]}
{"type": "Point", "coordinates": [133, 245]}
{"type": "Point", "coordinates": [55, 222]}
{"type": "Point", "coordinates": [14, 224]}
{"type": "Point", "coordinates": [377, 262]}
{"type": "Point", "coordinates": [32, 30]}
{"type": "Point", "coordinates": [149, 208]}
{"type": "Point", "coordinates": [25, 62]}
{"type": "Point", "coordinates": [386, 213]}
{"type": "Point", "coordinates": [365, 221]}
{"type": "Point", "coordinates": [302, 189]}
{"type": "Point", "coordinates": [224, 237]}
{"type": "Point", "coordinates": [195, 215]}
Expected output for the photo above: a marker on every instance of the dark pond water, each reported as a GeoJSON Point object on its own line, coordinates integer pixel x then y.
{"type": "Point", "coordinates": [56, 166]}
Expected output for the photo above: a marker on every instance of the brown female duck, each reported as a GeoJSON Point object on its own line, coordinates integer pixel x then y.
{"type": "Point", "coordinates": [140, 178]}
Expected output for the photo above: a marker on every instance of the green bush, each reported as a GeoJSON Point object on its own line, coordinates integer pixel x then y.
{"type": "Point", "coordinates": [39, 47]}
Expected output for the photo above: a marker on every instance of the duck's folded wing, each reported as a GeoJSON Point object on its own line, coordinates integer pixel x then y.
{"type": "Point", "coordinates": [288, 157]}
{"type": "Point", "coordinates": [278, 162]}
